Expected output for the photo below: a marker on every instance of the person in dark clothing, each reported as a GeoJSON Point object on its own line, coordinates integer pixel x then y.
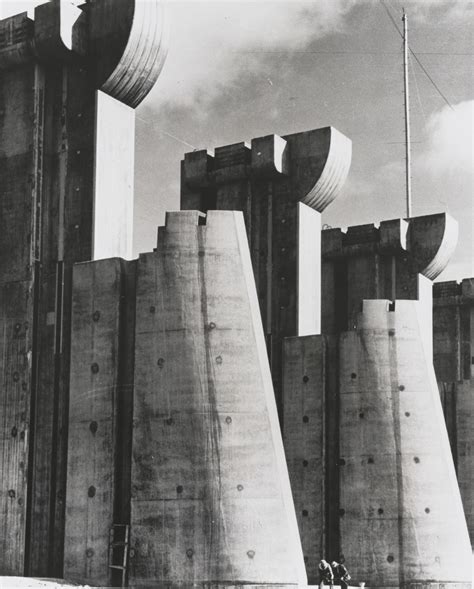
{"type": "Point", "coordinates": [341, 574]}
{"type": "Point", "coordinates": [325, 574]}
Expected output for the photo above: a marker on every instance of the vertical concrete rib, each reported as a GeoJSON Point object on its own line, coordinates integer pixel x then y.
{"type": "Point", "coordinates": [304, 383]}
{"type": "Point", "coordinates": [100, 418]}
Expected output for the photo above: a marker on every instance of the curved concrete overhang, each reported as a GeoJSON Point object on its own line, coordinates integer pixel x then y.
{"type": "Point", "coordinates": [123, 43]}
{"type": "Point", "coordinates": [334, 173]}
{"type": "Point", "coordinates": [129, 71]}
{"type": "Point", "coordinates": [432, 240]}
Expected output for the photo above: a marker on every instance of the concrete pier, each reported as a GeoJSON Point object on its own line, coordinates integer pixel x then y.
{"type": "Point", "coordinates": [211, 498]}
{"type": "Point", "coordinates": [453, 345]}
{"type": "Point", "coordinates": [281, 184]}
{"type": "Point", "coordinates": [402, 522]}
{"type": "Point", "coordinates": [56, 181]}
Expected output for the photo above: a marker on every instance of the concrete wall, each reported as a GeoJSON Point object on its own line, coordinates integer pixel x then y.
{"type": "Point", "coordinates": [211, 499]}
{"type": "Point", "coordinates": [396, 260]}
{"type": "Point", "coordinates": [281, 184]}
{"type": "Point", "coordinates": [304, 410]}
{"type": "Point", "coordinates": [48, 148]}
{"type": "Point", "coordinates": [100, 415]}
{"type": "Point", "coordinates": [401, 515]}
{"type": "Point", "coordinates": [453, 323]}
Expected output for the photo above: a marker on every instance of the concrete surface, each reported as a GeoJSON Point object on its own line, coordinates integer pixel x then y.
{"type": "Point", "coordinates": [281, 184]}
{"type": "Point", "coordinates": [47, 157]}
{"type": "Point", "coordinates": [304, 436]}
{"type": "Point", "coordinates": [211, 498]}
{"type": "Point", "coordinates": [453, 323]}
{"type": "Point", "coordinates": [402, 521]}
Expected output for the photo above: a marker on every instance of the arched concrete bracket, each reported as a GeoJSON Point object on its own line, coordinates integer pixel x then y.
{"type": "Point", "coordinates": [123, 42]}
{"type": "Point", "coordinates": [432, 240]}
{"type": "Point", "coordinates": [333, 175]}
{"type": "Point", "coordinates": [143, 58]}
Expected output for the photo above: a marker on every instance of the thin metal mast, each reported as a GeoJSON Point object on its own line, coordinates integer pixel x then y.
{"type": "Point", "coordinates": [407, 113]}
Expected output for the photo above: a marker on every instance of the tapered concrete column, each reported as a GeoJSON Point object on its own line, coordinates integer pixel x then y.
{"type": "Point", "coordinates": [211, 498]}
{"type": "Point", "coordinates": [402, 522]}
{"type": "Point", "coordinates": [396, 260]}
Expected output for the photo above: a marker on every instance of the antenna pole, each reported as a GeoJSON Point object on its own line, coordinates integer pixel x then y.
{"type": "Point", "coordinates": [407, 113]}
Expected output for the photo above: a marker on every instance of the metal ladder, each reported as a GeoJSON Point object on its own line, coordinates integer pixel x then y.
{"type": "Point", "coordinates": [119, 537]}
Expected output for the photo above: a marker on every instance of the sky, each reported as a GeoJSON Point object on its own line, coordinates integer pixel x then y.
{"type": "Point", "coordinates": [239, 70]}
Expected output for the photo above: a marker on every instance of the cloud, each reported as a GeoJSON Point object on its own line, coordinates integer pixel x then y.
{"type": "Point", "coordinates": [12, 7]}
{"type": "Point", "coordinates": [451, 143]}
{"type": "Point", "coordinates": [438, 10]}
{"type": "Point", "coordinates": [214, 44]}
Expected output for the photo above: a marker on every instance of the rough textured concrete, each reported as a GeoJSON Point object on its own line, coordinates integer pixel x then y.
{"type": "Point", "coordinates": [100, 415]}
{"type": "Point", "coordinates": [402, 521]}
{"type": "Point", "coordinates": [47, 155]}
{"type": "Point", "coordinates": [281, 184]}
{"type": "Point", "coordinates": [211, 498]}
{"type": "Point", "coordinates": [453, 343]}
{"type": "Point", "coordinates": [269, 182]}
{"type": "Point", "coordinates": [113, 179]}
{"type": "Point", "coordinates": [304, 383]}
{"type": "Point", "coordinates": [396, 260]}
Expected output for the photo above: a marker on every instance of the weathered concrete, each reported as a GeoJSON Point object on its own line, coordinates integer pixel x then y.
{"type": "Point", "coordinates": [453, 343]}
{"type": "Point", "coordinates": [304, 383]}
{"type": "Point", "coordinates": [211, 498]}
{"type": "Point", "coordinates": [396, 260]}
{"type": "Point", "coordinates": [100, 415]}
{"type": "Point", "coordinates": [48, 150]}
{"type": "Point", "coordinates": [281, 184]}
{"type": "Point", "coordinates": [401, 515]}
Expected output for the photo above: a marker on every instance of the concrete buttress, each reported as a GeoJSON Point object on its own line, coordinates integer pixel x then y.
{"type": "Point", "coordinates": [282, 185]}
{"type": "Point", "coordinates": [211, 500]}
{"type": "Point", "coordinates": [396, 260]}
{"type": "Point", "coordinates": [70, 79]}
{"type": "Point", "coordinates": [402, 521]}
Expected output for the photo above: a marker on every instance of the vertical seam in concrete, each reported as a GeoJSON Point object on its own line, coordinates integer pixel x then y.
{"type": "Point", "coordinates": [395, 407]}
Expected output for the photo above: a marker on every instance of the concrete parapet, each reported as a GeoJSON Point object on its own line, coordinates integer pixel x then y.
{"type": "Point", "coordinates": [402, 522]}
{"type": "Point", "coordinates": [211, 499]}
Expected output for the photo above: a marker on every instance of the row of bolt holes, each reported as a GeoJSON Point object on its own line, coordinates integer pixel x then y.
{"type": "Point", "coordinates": [189, 553]}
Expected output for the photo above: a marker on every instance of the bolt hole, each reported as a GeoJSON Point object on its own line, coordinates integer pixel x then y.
{"type": "Point", "coordinates": [305, 463]}
{"type": "Point", "coordinates": [305, 419]}
{"type": "Point", "coordinates": [179, 489]}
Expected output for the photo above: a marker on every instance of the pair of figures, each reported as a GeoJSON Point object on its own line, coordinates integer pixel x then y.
{"type": "Point", "coordinates": [328, 573]}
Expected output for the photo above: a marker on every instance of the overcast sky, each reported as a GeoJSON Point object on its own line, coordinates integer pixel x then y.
{"type": "Point", "coordinates": [238, 70]}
